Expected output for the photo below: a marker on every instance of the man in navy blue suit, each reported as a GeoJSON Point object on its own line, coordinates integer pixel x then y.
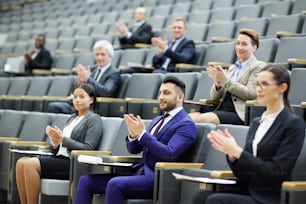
{"type": "Point", "coordinates": [167, 139]}
{"type": "Point", "coordinates": [168, 54]}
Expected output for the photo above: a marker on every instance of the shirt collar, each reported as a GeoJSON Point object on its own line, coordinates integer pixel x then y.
{"type": "Point", "coordinates": [173, 112]}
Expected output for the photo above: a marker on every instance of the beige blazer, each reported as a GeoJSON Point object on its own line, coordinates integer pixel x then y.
{"type": "Point", "coordinates": [241, 90]}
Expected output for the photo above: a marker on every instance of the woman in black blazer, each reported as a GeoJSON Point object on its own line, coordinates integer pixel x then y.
{"type": "Point", "coordinates": [83, 131]}
{"type": "Point", "coordinates": [273, 143]}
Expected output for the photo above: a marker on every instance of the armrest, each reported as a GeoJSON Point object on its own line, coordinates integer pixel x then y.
{"type": "Point", "coordinates": [57, 98]}
{"type": "Point", "coordinates": [219, 39]}
{"type": "Point", "coordinates": [132, 159]}
{"type": "Point", "coordinates": [294, 185]}
{"type": "Point", "coordinates": [209, 101]}
{"type": "Point", "coordinates": [41, 71]}
{"type": "Point", "coordinates": [222, 174]}
{"type": "Point", "coordinates": [303, 103]}
{"type": "Point", "coordinates": [26, 143]}
{"type": "Point", "coordinates": [8, 139]}
{"type": "Point", "coordinates": [142, 45]}
{"type": "Point", "coordinates": [176, 165]}
{"type": "Point", "coordinates": [61, 71]}
{"type": "Point", "coordinates": [109, 99]}
{"type": "Point", "coordinates": [139, 99]}
{"type": "Point", "coordinates": [285, 34]}
{"type": "Point", "coordinates": [89, 152]}
{"type": "Point", "coordinates": [222, 64]}
{"type": "Point", "coordinates": [297, 61]}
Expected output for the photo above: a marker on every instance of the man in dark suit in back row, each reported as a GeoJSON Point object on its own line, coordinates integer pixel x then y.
{"type": "Point", "coordinates": [103, 76]}
{"type": "Point", "coordinates": [39, 58]}
{"type": "Point", "coordinates": [139, 32]}
{"type": "Point", "coordinates": [179, 50]}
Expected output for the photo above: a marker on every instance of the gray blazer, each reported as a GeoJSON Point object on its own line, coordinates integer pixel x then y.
{"type": "Point", "coordinates": [241, 90]}
{"type": "Point", "coordinates": [109, 82]}
{"type": "Point", "coordinates": [86, 135]}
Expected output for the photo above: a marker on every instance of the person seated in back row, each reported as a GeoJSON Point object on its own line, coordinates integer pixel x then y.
{"type": "Point", "coordinates": [103, 76]}
{"type": "Point", "coordinates": [235, 86]}
{"type": "Point", "coordinates": [179, 50]}
{"type": "Point", "coordinates": [139, 32]}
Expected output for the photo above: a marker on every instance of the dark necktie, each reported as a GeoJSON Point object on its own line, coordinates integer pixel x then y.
{"type": "Point", "coordinates": [160, 123]}
{"type": "Point", "coordinates": [97, 74]}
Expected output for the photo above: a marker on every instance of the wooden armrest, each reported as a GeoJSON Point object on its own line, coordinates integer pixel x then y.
{"type": "Point", "coordinates": [296, 60]}
{"type": "Point", "coordinates": [222, 174]}
{"type": "Point", "coordinates": [27, 97]}
{"type": "Point", "coordinates": [219, 39]}
{"type": "Point", "coordinates": [61, 70]}
{"type": "Point", "coordinates": [62, 52]}
{"type": "Point", "coordinates": [10, 97]}
{"type": "Point", "coordinates": [44, 147]}
{"type": "Point", "coordinates": [8, 139]}
{"type": "Point", "coordinates": [222, 64]}
{"type": "Point", "coordinates": [180, 165]}
{"type": "Point", "coordinates": [303, 103]}
{"type": "Point", "coordinates": [132, 159]}
{"type": "Point", "coordinates": [101, 99]}
{"type": "Point", "coordinates": [41, 71]}
{"type": "Point", "coordinates": [186, 66]}
{"type": "Point", "coordinates": [123, 67]}
{"type": "Point", "coordinates": [138, 99]}
{"type": "Point", "coordinates": [90, 152]}
{"type": "Point", "coordinates": [294, 185]}
{"type": "Point", "coordinates": [58, 98]}
{"type": "Point", "coordinates": [285, 34]}
{"type": "Point", "coordinates": [142, 45]}
{"type": "Point", "coordinates": [79, 50]}
{"type": "Point", "coordinates": [209, 101]}
{"type": "Point", "coordinates": [26, 143]}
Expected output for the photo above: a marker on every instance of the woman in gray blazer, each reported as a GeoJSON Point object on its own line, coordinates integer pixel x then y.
{"type": "Point", "coordinates": [273, 143]}
{"type": "Point", "coordinates": [83, 131]}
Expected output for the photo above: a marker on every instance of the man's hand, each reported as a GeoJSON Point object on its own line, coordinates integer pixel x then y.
{"type": "Point", "coordinates": [134, 124]}
{"type": "Point", "coordinates": [161, 44]}
{"type": "Point", "coordinates": [83, 73]}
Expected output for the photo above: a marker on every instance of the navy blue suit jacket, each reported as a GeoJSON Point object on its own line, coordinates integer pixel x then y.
{"type": "Point", "coordinates": [184, 53]}
{"type": "Point", "coordinates": [109, 82]}
{"type": "Point", "coordinates": [276, 155]}
{"type": "Point", "coordinates": [170, 143]}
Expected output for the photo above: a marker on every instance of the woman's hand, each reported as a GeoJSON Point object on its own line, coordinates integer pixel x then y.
{"type": "Point", "coordinates": [55, 134]}
{"type": "Point", "coordinates": [224, 142]}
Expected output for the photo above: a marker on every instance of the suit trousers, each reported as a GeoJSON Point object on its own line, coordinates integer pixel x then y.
{"type": "Point", "coordinates": [116, 188]}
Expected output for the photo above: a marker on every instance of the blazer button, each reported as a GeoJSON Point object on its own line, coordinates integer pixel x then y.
{"type": "Point", "coordinates": [235, 99]}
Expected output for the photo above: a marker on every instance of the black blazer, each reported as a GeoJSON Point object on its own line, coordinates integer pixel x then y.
{"type": "Point", "coordinates": [43, 60]}
{"type": "Point", "coordinates": [184, 53]}
{"type": "Point", "coordinates": [109, 82]}
{"type": "Point", "coordinates": [143, 34]}
{"type": "Point", "coordinates": [276, 156]}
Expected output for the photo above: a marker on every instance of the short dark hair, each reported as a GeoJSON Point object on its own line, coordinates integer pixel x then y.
{"type": "Point", "coordinates": [179, 83]}
{"type": "Point", "coordinates": [251, 34]}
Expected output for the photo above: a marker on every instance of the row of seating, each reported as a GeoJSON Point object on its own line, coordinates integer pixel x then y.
{"type": "Point", "coordinates": [202, 156]}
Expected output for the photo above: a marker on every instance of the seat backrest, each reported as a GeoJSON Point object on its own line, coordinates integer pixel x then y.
{"type": "Point", "coordinates": [290, 47]}
{"type": "Point", "coordinates": [11, 122]}
{"type": "Point", "coordinates": [133, 56]}
{"type": "Point", "coordinates": [124, 81]}
{"type": "Point", "coordinates": [65, 61]}
{"type": "Point", "coordinates": [223, 29]}
{"type": "Point", "coordinates": [111, 126]}
{"type": "Point", "coordinates": [298, 6]}
{"type": "Point", "coordinates": [191, 81]}
{"type": "Point", "coordinates": [258, 24]}
{"type": "Point", "coordinates": [247, 11]}
{"type": "Point", "coordinates": [4, 85]}
{"type": "Point", "coordinates": [61, 86]}
{"type": "Point", "coordinates": [298, 172]}
{"type": "Point", "coordinates": [276, 8]}
{"type": "Point", "coordinates": [222, 14]}
{"type": "Point", "coordinates": [216, 160]}
{"type": "Point", "coordinates": [144, 85]}
{"type": "Point", "coordinates": [85, 59]}
{"type": "Point", "coordinates": [38, 120]}
{"type": "Point", "coordinates": [39, 86]}
{"type": "Point", "coordinates": [267, 49]}
{"type": "Point", "coordinates": [222, 3]}
{"type": "Point", "coordinates": [203, 88]}
{"type": "Point", "coordinates": [19, 86]}
{"type": "Point", "coordinates": [296, 96]}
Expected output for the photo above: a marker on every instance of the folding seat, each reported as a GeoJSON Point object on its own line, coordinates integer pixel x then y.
{"type": "Point", "coordinates": [291, 51]}
{"type": "Point", "coordinates": [200, 6]}
{"type": "Point", "coordinates": [2, 63]}
{"type": "Point", "coordinates": [40, 25]}
{"type": "Point", "coordinates": [12, 37]}
{"type": "Point", "coordinates": [132, 56]}
{"type": "Point", "coordinates": [63, 64]}
{"type": "Point", "coordinates": [162, 10]}
{"type": "Point", "coordinates": [169, 19]}
{"type": "Point", "coordinates": [198, 18]}
{"type": "Point", "coordinates": [52, 24]}
{"type": "Point", "coordinates": [157, 22]}
{"type": "Point", "coordinates": [259, 25]}
{"type": "Point", "coordinates": [111, 17]}
{"type": "Point", "coordinates": [197, 33]}
{"type": "Point", "coordinates": [80, 21]}
{"type": "Point", "coordinates": [51, 45]}
{"type": "Point", "coordinates": [219, 32]}
{"type": "Point", "coordinates": [83, 31]}
{"type": "Point", "coordinates": [181, 8]}
{"type": "Point", "coordinates": [222, 14]}
{"type": "Point", "coordinates": [116, 58]}
{"type": "Point", "coordinates": [65, 46]}
{"type": "Point", "coordinates": [28, 137]}
{"type": "Point", "coordinates": [202, 91]}
{"type": "Point", "coordinates": [294, 191]}
{"type": "Point", "coordinates": [94, 19]}
{"type": "Point", "coordinates": [276, 8]}
{"type": "Point", "coordinates": [6, 50]}
{"type": "Point", "coordinates": [125, 16]}
{"type": "Point", "coordinates": [119, 6]}
{"type": "Point", "coordinates": [65, 23]}
{"type": "Point", "coordinates": [20, 48]}
{"type": "Point", "coordinates": [298, 6]}
{"type": "Point", "coordinates": [18, 88]}
{"type": "Point", "coordinates": [85, 59]}
{"type": "Point", "coordinates": [249, 11]}
{"type": "Point", "coordinates": [285, 24]}
{"type": "Point", "coordinates": [38, 87]}
{"type": "Point", "coordinates": [244, 2]}
{"type": "Point", "coordinates": [99, 29]}
{"type": "Point", "coordinates": [220, 53]}
{"type": "Point", "coordinates": [222, 3]}
{"type": "Point", "coordinates": [83, 44]}
{"type": "Point", "coordinates": [267, 49]}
